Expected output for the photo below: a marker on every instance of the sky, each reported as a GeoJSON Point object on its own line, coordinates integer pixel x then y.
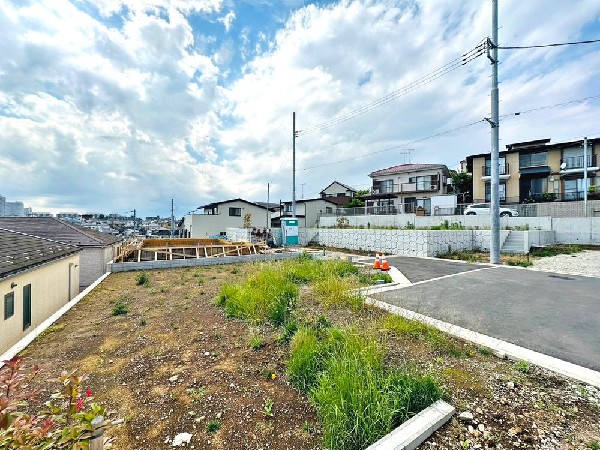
{"type": "Point", "coordinates": [112, 105]}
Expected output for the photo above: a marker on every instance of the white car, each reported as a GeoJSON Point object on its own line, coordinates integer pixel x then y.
{"type": "Point", "coordinates": [484, 209]}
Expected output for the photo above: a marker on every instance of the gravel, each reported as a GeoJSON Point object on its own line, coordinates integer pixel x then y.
{"type": "Point", "coordinates": [585, 263]}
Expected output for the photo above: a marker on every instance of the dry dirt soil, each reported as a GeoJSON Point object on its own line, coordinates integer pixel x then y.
{"type": "Point", "coordinates": [174, 363]}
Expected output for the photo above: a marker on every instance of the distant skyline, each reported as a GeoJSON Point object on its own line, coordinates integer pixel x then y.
{"type": "Point", "coordinates": [108, 106]}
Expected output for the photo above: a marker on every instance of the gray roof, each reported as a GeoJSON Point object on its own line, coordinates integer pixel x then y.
{"type": "Point", "coordinates": [20, 251]}
{"type": "Point", "coordinates": [58, 230]}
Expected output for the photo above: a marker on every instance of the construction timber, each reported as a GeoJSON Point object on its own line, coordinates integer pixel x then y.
{"type": "Point", "coordinates": [170, 249]}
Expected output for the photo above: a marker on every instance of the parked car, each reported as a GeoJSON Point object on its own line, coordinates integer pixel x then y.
{"type": "Point", "coordinates": [484, 208]}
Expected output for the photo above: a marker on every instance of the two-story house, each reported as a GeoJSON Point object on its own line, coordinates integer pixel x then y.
{"type": "Point", "coordinates": [338, 193]}
{"type": "Point", "coordinates": [406, 187]}
{"type": "Point", "coordinates": [308, 211]}
{"type": "Point", "coordinates": [218, 216]}
{"type": "Point", "coordinates": [537, 171]}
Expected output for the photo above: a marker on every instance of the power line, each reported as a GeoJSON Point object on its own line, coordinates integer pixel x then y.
{"type": "Point", "coordinates": [430, 77]}
{"type": "Point", "coordinates": [559, 44]}
{"type": "Point", "coordinates": [445, 132]}
{"type": "Point", "coordinates": [396, 146]}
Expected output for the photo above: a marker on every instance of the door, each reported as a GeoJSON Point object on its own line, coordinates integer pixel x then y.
{"type": "Point", "coordinates": [26, 306]}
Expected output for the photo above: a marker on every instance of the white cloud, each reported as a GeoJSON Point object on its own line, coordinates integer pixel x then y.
{"type": "Point", "coordinates": [114, 117]}
{"type": "Point", "coordinates": [227, 20]}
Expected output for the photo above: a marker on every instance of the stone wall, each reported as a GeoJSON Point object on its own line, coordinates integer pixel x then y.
{"type": "Point", "coordinates": [560, 209]}
{"type": "Point", "coordinates": [410, 220]}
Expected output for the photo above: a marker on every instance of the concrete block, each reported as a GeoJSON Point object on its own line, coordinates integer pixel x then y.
{"type": "Point", "coordinates": [414, 431]}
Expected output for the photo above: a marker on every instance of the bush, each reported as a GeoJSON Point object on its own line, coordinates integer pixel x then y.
{"type": "Point", "coordinates": [65, 423]}
{"type": "Point", "coordinates": [142, 279]}
{"type": "Point", "coordinates": [120, 307]}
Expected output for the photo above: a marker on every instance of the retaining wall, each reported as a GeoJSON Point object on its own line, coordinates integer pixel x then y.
{"type": "Point", "coordinates": [576, 230]}
{"type": "Point", "coordinates": [410, 220]}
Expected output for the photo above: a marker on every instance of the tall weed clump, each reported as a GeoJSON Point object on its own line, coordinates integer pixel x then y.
{"type": "Point", "coordinates": [267, 295]}
{"type": "Point", "coordinates": [358, 399]}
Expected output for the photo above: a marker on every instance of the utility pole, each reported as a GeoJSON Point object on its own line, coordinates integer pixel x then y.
{"type": "Point", "coordinates": [495, 143]}
{"type": "Point", "coordinates": [134, 223]}
{"type": "Point", "coordinates": [172, 220]}
{"type": "Point", "coordinates": [585, 176]}
{"type": "Point", "coordinates": [268, 210]}
{"type": "Point", "coordinates": [294, 165]}
{"type": "Point", "coordinates": [302, 194]}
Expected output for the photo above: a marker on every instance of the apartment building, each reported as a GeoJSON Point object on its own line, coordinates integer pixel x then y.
{"type": "Point", "coordinates": [537, 171]}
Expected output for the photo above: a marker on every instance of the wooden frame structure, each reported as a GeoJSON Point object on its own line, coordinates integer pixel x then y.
{"type": "Point", "coordinates": [180, 248]}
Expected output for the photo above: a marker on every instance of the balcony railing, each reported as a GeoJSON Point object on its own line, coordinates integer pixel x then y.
{"type": "Point", "coordinates": [576, 162]}
{"type": "Point", "coordinates": [487, 170]}
{"type": "Point", "coordinates": [406, 188]}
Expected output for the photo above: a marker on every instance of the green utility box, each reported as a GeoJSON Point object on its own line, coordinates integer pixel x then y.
{"type": "Point", "coordinates": [289, 231]}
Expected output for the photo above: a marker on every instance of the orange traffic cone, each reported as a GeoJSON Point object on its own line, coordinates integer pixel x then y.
{"type": "Point", "coordinates": [384, 264]}
{"type": "Point", "coordinates": [377, 264]}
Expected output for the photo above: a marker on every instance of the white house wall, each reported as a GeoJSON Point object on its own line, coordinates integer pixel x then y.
{"type": "Point", "coordinates": [205, 225]}
{"type": "Point", "coordinates": [50, 290]}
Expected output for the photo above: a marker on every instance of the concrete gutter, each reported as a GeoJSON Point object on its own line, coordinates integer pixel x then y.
{"type": "Point", "coordinates": [414, 431]}
{"type": "Point", "coordinates": [24, 342]}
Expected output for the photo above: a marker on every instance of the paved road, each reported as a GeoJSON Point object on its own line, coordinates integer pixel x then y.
{"type": "Point", "coordinates": [554, 314]}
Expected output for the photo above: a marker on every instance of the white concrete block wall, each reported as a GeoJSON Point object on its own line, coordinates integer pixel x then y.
{"type": "Point", "coordinates": [91, 266]}
{"type": "Point", "coordinates": [576, 230]}
{"type": "Point", "coordinates": [238, 234]}
{"type": "Point", "coordinates": [402, 221]}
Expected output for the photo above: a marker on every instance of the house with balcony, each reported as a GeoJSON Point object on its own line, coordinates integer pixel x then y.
{"type": "Point", "coordinates": [406, 187]}
{"type": "Point", "coordinates": [536, 171]}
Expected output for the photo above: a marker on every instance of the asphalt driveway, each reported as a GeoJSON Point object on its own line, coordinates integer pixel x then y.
{"type": "Point", "coordinates": [558, 315]}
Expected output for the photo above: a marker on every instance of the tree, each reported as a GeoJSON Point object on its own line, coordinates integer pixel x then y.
{"type": "Point", "coordinates": [462, 185]}
{"type": "Point", "coordinates": [357, 200]}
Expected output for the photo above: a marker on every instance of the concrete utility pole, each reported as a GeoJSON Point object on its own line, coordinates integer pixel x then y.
{"type": "Point", "coordinates": [294, 165]}
{"type": "Point", "coordinates": [268, 210]}
{"type": "Point", "coordinates": [172, 220]}
{"type": "Point", "coordinates": [495, 144]}
{"type": "Point", "coordinates": [585, 176]}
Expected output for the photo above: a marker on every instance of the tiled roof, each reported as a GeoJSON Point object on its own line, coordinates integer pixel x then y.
{"type": "Point", "coordinates": [406, 168]}
{"type": "Point", "coordinates": [58, 230]}
{"type": "Point", "coordinates": [20, 251]}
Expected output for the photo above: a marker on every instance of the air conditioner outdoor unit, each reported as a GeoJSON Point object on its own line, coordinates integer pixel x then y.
{"type": "Point", "coordinates": [433, 187]}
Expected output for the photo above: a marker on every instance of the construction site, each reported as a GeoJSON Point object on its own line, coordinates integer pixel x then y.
{"type": "Point", "coordinates": [140, 250]}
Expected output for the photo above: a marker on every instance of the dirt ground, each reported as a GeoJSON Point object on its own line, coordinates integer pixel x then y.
{"type": "Point", "coordinates": [173, 363]}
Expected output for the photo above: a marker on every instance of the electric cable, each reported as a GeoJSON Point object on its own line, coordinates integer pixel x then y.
{"type": "Point", "coordinates": [559, 44]}
{"type": "Point", "coordinates": [430, 77]}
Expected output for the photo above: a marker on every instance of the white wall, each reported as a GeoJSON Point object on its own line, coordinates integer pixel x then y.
{"type": "Point", "coordinates": [401, 220]}
{"type": "Point", "coordinates": [577, 230]}
{"type": "Point", "coordinates": [205, 225]}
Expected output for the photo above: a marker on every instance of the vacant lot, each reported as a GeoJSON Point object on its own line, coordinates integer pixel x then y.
{"type": "Point", "coordinates": [162, 356]}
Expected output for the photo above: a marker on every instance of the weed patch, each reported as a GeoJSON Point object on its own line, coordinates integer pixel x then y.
{"type": "Point", "coordinates": [143, 279]}
{"type": "Point", "coordinates": [120, 307]}
{"type": "Point", "coordinates": [357, 398]}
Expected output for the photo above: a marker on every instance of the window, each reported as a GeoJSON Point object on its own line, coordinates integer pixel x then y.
{"type": "Point", "coordinates": [26, 306]}
{"type": "Point", "coordinates": [502, 169]}
{"type": "Point", "coordinates": [386, 186]}
{"type": "Point", "coordinates": [501, 192]}
{"type": "Point", "coordinates": [328, 210]}
{"type": "Point", "coordinates": [235, 212]}
{"type": "Point", "coordinates": [574, 189]}
{"type": "Point", "coordinates": [9, 305]}
{"type": "Point", "coordinates": [341, 195]}
{"type": "Point", "coordinates": [533, 159]}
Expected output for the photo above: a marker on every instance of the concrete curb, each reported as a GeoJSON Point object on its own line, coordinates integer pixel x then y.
{"type": "Point", "coordinates": [414, 431]}
{"type": "Point", "coordinates": [23, 343]}
{"type": "Point", "coordinates": [501, 348]}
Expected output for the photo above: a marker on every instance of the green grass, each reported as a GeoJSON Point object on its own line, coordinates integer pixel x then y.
{"type": "Point", "coordinates": [358, 399]}
{"type": "Point", "coordinates": [523, 366]}
{"type": "Point", "coordinates": [266, 296]}
{"type": "Point", "coordinates": [142, 279]}
{"type": "Point", "coordinates": [553, 250]}
{"type": "Point", "coordinates": [411, 329]}
{"type": "Point", "coordinates": [120, 307]}
{"type": "Point", "coordinates": [594, 445]}
{"type": "Point", "coordinates": [213, 426]}
{"type": "Point", "coordinates": [256, 342]}
{"type": "Point", "coordinates": [271, 292]}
